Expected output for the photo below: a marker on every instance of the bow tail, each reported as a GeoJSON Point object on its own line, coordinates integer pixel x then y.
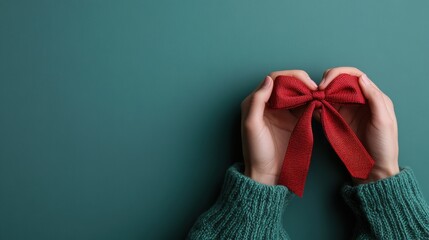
{"type": "Point", "coordinates": [297, 158]}
{"type": "Point", "coordinates": [345, 143]}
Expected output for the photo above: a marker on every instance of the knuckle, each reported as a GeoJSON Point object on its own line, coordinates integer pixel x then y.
{"type": "Point", "coordinates": [327, 71]}
{"type": "Point", "coordinates": [255, 97]}
{"type": "Point", "coordinates": [390, 102]}
{"type": "Point", "coordinates": [299, 72]}
{"type": "Point", "coordinates": [355, 69]}
{"type": "Point", "coordinates": [377, 95]}
{"type": "Point", "coordinates": [249, 101]}
{"type": "Point", "coordinates": [387, 99]}
{"type": "Point", "coordinates": [244, 103]}
{"type": "Point", "coordinates": [336, 69]}
{"type": "Point", "coordinates": [274, 73]}
{"type": "Point", "coordinates": [249, 123]}
{"type": "Point", "coordinates": [333, 72]}
{"type": "Point", "coordinates": [350, 68]}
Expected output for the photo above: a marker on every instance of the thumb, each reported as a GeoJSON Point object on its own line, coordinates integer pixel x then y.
{"type": "Point", "coordinates": [259, 99]}
{"type": "Point", "coordinates": [374, 96]}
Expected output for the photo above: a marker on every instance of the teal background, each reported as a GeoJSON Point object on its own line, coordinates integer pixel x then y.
{"type": "Point", "coordinates": [118, 119]}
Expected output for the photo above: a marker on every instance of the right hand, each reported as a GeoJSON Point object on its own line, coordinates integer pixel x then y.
{"type": "Point", "coordinates": [266, 132]}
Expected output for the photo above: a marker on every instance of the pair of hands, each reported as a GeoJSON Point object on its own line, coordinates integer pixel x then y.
{"type": "Point", "coordinates": [266, 132]}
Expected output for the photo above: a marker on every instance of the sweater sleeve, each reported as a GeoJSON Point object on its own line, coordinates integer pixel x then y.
{"type": "Point", "coordinates": [245, 209]}
{"type": "Point", "coordinates": [391, 208]}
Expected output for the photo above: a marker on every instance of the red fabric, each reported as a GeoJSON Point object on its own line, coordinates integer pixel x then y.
{"type": "Point", "coordinates": [290, 92]}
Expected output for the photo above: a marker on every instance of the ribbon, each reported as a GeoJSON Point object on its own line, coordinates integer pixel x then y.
{"type": "Point", "coordinates": [290, 92]}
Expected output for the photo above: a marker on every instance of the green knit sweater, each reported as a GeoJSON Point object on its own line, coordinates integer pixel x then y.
{"type": "Point", "coordinates": [392, 208]}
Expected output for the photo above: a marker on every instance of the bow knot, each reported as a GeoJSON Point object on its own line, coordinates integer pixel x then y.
{"type": "Point", "coordinates": [318, 95]}
{"type": "Point", "coordinates": [289, 93]}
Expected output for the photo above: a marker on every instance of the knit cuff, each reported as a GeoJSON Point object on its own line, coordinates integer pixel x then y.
{"type": "Point", "coordinates": [245, 209]}
{"type": "Point", "coordinates": [259, 197]}
{"type": "Point", "coordinates": [391, 207]}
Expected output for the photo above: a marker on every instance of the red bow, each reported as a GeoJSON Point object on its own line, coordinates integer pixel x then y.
{"type": "Point", "coordinates": [290, 92]}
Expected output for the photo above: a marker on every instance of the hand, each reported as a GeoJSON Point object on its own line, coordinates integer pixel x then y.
{"type": "Point", "coordinates": [266, 132]}
{"type": "Point", "coordinates": [374, 123]}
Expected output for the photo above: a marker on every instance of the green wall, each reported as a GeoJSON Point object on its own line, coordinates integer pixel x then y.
{"type": "Point", "coordinates": [118, 119]}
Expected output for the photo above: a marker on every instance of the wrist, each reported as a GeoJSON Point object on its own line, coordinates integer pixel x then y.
{"type": "Point", "coordinates": [264, 178]}
{"type": "Point", "coordinates": [379, 173]}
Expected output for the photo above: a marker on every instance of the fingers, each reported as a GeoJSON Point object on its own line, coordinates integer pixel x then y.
{"type": "Point", "coordinates": [376, 101]}
{"type": "Point", "coordinates": [390, 108]}
{"type": "Point", "coordinates": [325, 73]}
{"type": "Point", "coordinates": [381, 106]}
{"type": "Point", "coordinates": [332, 73]}
{"type": "Point", "coordinates": [376, 98]}
{"type": "Point", "coordinates": [304, 77]}
{"type": "Point", "coordinates": [254, 105]}
{"type": "Point", "coordinates": [300, 74]}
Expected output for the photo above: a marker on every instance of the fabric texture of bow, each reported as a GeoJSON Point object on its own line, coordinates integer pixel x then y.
{"type": "Point", "coordinates": [290, 92]}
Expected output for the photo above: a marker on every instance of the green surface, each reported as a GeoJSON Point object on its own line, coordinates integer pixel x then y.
{"type": "Point", "coordinates": [118, 119]}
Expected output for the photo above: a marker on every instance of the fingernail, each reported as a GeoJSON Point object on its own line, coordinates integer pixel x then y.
{"type": "Point", "coordinates": [266, 82]}
{"type": "Point", "coordinates": [365, 79]}
{"type": "Point", "coordinates": [321, 83]}
{"type": "Point", "coordinates": [312, 82]}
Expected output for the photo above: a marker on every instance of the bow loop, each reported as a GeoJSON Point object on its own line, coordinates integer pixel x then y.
{"type": "Point", "coordinates": [344, 89]}
{"type": "Point", "coordinates": [289, 92]}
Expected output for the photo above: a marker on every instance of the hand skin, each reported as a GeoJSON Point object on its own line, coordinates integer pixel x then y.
{"type": "Point", "coordinates": [266, 132]}
{"type": "Point", "coordinates": [374, 123]}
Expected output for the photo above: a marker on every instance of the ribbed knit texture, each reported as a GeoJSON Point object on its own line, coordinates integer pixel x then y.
{"type": "Point", "coordinates": [245, 209]}
{"type": "Point", "coordinates": [392, 208]}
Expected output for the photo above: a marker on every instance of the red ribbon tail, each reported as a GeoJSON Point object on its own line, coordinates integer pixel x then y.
{"type": "Point", "coordinates": [298, 154]}
{"type": "Point", "coordinates": [345, 143]}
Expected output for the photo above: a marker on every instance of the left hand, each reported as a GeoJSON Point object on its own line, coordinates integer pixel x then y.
{"type": "Point", "coordinates": [374, 124]}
